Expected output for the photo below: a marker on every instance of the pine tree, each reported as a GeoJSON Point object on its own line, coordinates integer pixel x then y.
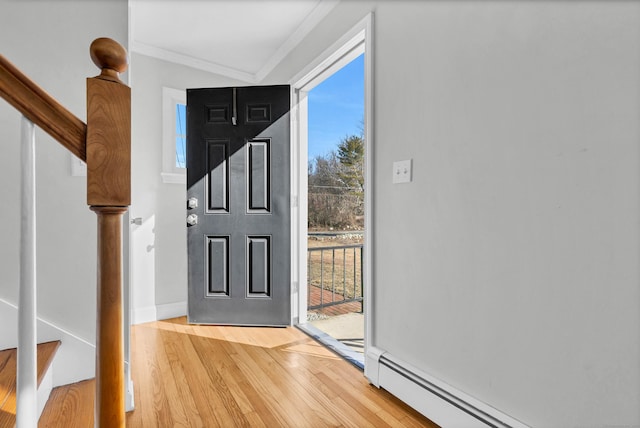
{"type": "Point", "coordinates": [351, 158]}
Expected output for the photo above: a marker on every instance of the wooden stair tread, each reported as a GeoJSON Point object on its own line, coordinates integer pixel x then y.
{"type": "Point", "coordinates": [46, 352]}
{"type": "Point", "coordinates": [70, 406]}
{"type": "Point", "coordinates": [8, 364]}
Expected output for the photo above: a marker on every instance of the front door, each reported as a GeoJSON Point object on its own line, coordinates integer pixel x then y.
{"type": "Point", "coordinates": [238, 205]}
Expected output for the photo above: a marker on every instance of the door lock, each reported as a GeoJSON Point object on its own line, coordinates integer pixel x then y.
{"type": "Point", "coordinates": [192, 203]}
{"type": "Point", "coordinates": [192, 219]}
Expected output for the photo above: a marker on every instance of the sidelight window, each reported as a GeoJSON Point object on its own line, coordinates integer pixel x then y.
{"type": "Point", "coordinates": [174, 135]}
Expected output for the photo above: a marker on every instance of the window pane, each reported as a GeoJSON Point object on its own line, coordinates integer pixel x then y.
{"type": "Point", "coordinates": [181, 134]}
{"type": "Point", "coordinates": [181, 152]}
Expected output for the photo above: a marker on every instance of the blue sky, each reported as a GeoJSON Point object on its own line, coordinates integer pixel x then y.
{"type": "Point", "coordinates": [336, 108]}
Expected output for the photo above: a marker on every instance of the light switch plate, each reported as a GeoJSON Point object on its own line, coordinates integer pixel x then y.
{"type": "Point", "coordinates": [402, 171]}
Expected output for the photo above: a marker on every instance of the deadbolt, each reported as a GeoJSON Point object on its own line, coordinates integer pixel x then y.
{"type": "Point", "coordinates": [192, 219]}
{"type": "Point", "coordinates": [192, 203]}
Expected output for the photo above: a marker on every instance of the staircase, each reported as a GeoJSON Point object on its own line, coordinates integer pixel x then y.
{"type": "Point", "coordinates": [104, 144]}
{"type": "Point", "coordinates": [8, 363]}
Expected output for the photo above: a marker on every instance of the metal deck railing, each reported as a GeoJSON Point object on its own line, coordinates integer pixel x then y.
{"type": "Point", "coordinates": [334, 276]}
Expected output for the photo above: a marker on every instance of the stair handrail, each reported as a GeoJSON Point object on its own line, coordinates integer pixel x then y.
{"type": "Point", "coordinates": [42, 109]}
{"type": "Point", "coordinates": [104, 143]}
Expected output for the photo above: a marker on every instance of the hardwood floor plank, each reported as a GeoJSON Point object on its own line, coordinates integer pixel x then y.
{"type": "Point", "coordinates": [183, 390]}
{"type": "Point", "coordinates": [240, 383]}
{"type": "Point", "coordinates": [319, 397]}
{"type": "Point", "coordinates": [206, 397]}
{"type": "Point", "coordinates": [215, 376]}
{"type": "Point", "coordinates": [157, 400]}
{"type": "Point", "coordinates": [367, 411]}
{"type": "Point", "coordinates": [214, 355]}
{"type": "Point", "coordinates": [310, 403]}
{"type": "Point", "coordinates": [273, 395]}
{"type": "Point", "coordinates": [208, 356]}
{"type": "Point", "coordinates": [325, 396]}
{"type": "Point", "coordinates": [175, 407]}
{"type": "Point", "coordinates": [141, 375]}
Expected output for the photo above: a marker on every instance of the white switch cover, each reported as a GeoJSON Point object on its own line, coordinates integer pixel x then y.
{"type": "Point", "coordinates": [402, 171]}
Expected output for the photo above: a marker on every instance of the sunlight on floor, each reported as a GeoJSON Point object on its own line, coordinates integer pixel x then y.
{"type": "Point", "coordinates": [313, 349]}
{"type": "Point", "coordinates": [287, 338]}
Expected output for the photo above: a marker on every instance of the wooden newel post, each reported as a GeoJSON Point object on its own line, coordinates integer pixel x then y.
{"type": "Point", "coordinates": [109, 195]}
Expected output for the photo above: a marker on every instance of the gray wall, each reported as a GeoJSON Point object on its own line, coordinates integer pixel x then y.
{"type": "Point", "coordinates": [49, 41]}
{"type": "Point", "coordinates": [159, 245]}
{"type": "Point", "coordinates": [509, 266]}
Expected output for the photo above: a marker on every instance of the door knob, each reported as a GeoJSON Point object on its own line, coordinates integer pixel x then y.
{"type": "Point", "coordinates": [192, 219]}
{"type": "Point", "coordinates": [192, 203]}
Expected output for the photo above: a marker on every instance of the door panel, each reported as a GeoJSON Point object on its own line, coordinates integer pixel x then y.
{"type": "Point", "coordinates": [258, 266]}
{"type": "Point", "coordinates": [238, 170]}
{"type": "Point", "coordinates": [259, 167]}
{"type": "Point", "coordinates": [218, 178]}
{"type": "Point", "coordinates": [217, 259]}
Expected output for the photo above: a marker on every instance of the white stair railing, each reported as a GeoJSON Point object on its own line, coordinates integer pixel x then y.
{"type": "Point", "coordinates": [27, 401]}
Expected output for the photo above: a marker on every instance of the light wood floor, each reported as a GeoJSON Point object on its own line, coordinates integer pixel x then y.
{"type": "Point", "coordinates": [211, 376]}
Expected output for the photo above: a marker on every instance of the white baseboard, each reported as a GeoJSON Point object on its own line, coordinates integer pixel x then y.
{"type": "Point", "coordinates": [142, 315]}
{"type": "Point", "coordinates": [129, 402]}
{"type": "Point", "coordinates": [75, 359]}
{"type": "Point", "coordinates": [159, 312]}
{"type": "Point", "coordinates": [438, 401]}
{"type": "Point", "coordinates": [171, 310]}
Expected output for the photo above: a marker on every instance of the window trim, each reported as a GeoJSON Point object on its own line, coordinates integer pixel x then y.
{"type": "Point", "coordinates": [171, 174]}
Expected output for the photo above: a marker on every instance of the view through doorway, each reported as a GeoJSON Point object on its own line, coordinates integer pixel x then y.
{"type": "Point", "coordinates": [335, 210]}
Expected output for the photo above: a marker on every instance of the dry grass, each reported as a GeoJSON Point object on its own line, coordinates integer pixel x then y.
{"type": "Point", "coordinates": [344, 276]}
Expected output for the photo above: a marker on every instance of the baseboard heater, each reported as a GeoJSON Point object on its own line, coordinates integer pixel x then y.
{"type": "Point", "coordinates": [438, 401]}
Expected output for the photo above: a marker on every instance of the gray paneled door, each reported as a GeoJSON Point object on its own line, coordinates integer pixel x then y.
{"type": "Point", "coordinates": [238, 205]}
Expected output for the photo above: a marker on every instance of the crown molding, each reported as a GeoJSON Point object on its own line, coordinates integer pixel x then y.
{"type": "Point", "coordinates": [317, 14]}
{"type": "Point", "coordinates": [321, 10]}
{"type": "Point", "coordinates": [189, 61]}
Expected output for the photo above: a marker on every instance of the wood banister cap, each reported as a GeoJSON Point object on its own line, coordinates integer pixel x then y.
{"type": "Point", "coordinates": [110, 56]}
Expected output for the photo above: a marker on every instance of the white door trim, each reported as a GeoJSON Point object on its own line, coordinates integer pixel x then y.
{"type": "Point", "coordinates": [356, 41]}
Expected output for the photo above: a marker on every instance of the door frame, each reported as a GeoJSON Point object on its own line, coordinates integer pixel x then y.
{"type": "Point", "coordinates": [357, 40]}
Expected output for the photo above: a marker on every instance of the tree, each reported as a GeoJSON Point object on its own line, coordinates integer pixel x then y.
{"type": "Point", "coordinates": [323, 175]}
{"type": "Point", "coordinates": [351, 157]}
{"type": "Point", "coordinates": [336, 186]}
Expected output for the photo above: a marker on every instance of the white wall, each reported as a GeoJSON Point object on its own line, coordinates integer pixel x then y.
{"type": "Point", "coordinates": [49, 41]}
{"type": "Point", "coordinates": [509, 266]}
{"type": "Point", "coordinates": [159, 245]}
